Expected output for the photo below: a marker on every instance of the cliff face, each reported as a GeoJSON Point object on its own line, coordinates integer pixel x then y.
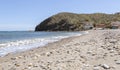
{"type": "Point", "coordinates": [60, 22]}
{"type": "Point", "coordinates": [75, 22]}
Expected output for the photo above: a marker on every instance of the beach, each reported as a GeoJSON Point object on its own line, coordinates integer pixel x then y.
{"type": "Point", "coordinates": [97, 50]}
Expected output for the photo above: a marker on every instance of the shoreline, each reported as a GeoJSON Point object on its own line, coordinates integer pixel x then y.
{"type": "Point", "coordinates": [43, 47]}
{"type": "Point", "coordinates": [93, 51]}
{"type": "Point", "coordinates": [28, 44]}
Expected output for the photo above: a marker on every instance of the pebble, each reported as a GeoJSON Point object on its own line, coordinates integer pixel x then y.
{"type": "Point", "coordinates": [118, 62]}
{"type": "Point", "coordinates": [37, 55]}
{"type": "Point", "coordinates": [113, 41]}
{"type": "Point", "coordinates": [48, 53]}
{"type": "Point", "coordinates": [96, 68]}
{"type": "Point", "coordinates": [17, 65]}
{"type": "Point", "coordinates": [35, 66]}
{"type": "Point", "coordinates": [68, 52]}
{"type": "Point", "coordinates": [93, 54]}
{"type": "Point", "coordinates": [30, 64]}
{"type": "Point", "coordinates": [86, 65]}
{"type": "Point", "coordinates": [105, 66]}
{"type": "Point", "coordinates": [19, 57]}
{"type": "Point", "coordinates": [14, 58]}
{"type": "Point", "coordinates": [111, 51]}
{"type": "Point", "coordinates": [89, 52]}
{"type": "Point", "coordinates": [29, 68]}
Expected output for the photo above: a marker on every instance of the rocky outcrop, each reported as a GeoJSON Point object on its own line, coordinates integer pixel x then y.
{"type": "Point", "coordinates": [75, 22]}
{"type": "Point", "coordinates": [61, 22]}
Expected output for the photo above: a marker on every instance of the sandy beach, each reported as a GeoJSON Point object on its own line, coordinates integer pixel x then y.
{"type": "Point", "coordinates": [98, 50]}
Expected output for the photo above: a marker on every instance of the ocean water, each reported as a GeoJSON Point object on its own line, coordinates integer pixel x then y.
{"type": "Point", "coordinates": [18, 41]}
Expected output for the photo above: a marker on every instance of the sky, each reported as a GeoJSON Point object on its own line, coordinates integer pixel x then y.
{"type": "Point", "coordinates": [22, 15]}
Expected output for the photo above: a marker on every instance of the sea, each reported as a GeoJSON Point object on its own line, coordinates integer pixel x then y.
{"type": "Point", "coordinates": [18, 41]}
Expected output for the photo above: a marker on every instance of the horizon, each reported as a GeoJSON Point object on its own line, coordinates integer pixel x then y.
{"type": "Point", "coordinates": [24, 15]}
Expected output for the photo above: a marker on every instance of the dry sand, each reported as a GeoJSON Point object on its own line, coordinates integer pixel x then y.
{"type": "Point", "coordinates": [98, 50]}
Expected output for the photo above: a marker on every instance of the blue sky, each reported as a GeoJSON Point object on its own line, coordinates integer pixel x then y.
{"type": "Point", "coordinates": [26, 14]}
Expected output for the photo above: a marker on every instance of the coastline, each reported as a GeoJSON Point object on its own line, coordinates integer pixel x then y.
{"type": "Point", "coordinates": [89, 52]}
{"type": "Point", "coordinates": [38, 39]}
{"type": "Point", "coordinates": [41, 48]}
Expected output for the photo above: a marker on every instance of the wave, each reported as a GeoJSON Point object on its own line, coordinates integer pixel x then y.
{"type": "Point", "coordinates": [23, 45]}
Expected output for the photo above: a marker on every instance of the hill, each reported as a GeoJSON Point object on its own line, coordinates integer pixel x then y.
{"type": "Point", "coordinates": [76, 22]}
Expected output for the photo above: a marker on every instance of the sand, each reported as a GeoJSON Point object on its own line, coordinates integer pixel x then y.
{"type": "Point", "coordinates": [98, 50]}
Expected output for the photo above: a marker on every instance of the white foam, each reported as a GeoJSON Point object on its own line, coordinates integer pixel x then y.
{"type": "Point", "coordinates": [19, 46]}
{"type": "Point", "coordinates": [23, 45]}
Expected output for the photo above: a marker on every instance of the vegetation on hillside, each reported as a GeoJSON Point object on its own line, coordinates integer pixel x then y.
{"type": "Point", "coordinates": [74, 22]}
